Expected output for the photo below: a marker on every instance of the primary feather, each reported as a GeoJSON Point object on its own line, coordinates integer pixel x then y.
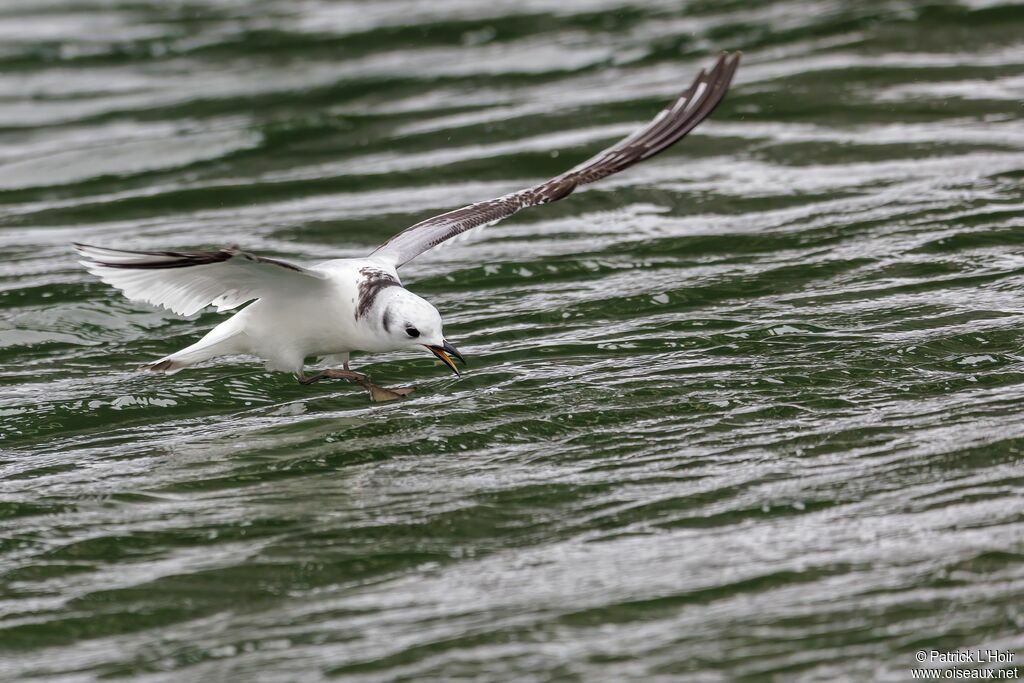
{"type": "Point", "coordinates": [187, 282]}
{"type": "Point", "coordinates": [671, 124]}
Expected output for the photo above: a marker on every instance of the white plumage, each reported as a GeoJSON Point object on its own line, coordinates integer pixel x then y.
{"type": "Point", "coordinates": [345, 305]}
{"type": "Point", "coordinates": [226, 280]}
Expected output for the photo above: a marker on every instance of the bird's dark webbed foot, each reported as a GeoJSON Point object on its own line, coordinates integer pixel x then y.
{"type": "Point", "coordinates": [377, 393]}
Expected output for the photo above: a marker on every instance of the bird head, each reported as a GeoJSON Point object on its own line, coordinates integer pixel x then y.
{"type": "Point", "coordinates": [411, 323]}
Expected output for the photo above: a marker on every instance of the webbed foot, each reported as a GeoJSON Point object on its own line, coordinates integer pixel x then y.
{"type": "Point", "coordinates": [377, 393]}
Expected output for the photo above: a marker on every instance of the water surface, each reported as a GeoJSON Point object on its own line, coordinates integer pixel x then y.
{"type": "Point", "coordinates": [750, 411]}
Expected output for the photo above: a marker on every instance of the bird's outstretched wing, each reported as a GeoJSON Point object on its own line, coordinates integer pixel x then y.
{"type": "Point", "coordinates": [187, 282]}
{"type": "Point", "coordinates": [671, 124]}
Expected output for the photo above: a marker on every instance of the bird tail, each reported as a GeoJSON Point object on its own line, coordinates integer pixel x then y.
{"type": "Point", "coordinates": [218, 342]}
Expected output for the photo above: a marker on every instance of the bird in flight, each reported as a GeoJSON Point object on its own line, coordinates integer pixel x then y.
{"type": "Point", "coordinates": [344, 305]}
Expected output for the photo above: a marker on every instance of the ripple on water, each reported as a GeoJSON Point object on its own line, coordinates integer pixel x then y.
{"type": "Point", "coordinates": [750, 411]}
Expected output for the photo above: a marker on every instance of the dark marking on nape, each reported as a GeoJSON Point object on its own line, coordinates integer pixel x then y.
{"type": "Point", "coordinates": [372, 282]}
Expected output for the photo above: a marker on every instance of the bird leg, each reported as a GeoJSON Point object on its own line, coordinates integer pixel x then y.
{"type": "Point", "coordinates": [377, 393]}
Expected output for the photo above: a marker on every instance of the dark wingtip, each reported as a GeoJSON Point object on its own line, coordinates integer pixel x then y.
{"type": "Point", "coordinates": [82, 252]}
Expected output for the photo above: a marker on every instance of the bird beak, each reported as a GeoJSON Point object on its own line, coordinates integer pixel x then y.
{"type": "Point", "coordinates": [444, 352]}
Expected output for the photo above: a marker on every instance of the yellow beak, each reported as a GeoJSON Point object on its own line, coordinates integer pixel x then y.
{"type": "Point", "coordinates": [443, 352]}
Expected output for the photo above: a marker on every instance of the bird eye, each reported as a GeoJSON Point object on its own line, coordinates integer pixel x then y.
{"type": "Point", "coordinates": [412, 332]}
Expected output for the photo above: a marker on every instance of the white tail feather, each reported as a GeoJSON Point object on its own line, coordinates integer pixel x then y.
{"type": "Point", "coordinates": [220, 341]}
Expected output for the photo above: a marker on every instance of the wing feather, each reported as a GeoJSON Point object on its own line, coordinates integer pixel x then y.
{"type": "Point", "coordinates": [671, 124]}
{"type": "Point", "coordinates": [187, 282]}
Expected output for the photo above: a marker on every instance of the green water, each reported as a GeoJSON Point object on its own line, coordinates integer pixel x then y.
{"type": "Point", "coordinates": [751, 411]}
